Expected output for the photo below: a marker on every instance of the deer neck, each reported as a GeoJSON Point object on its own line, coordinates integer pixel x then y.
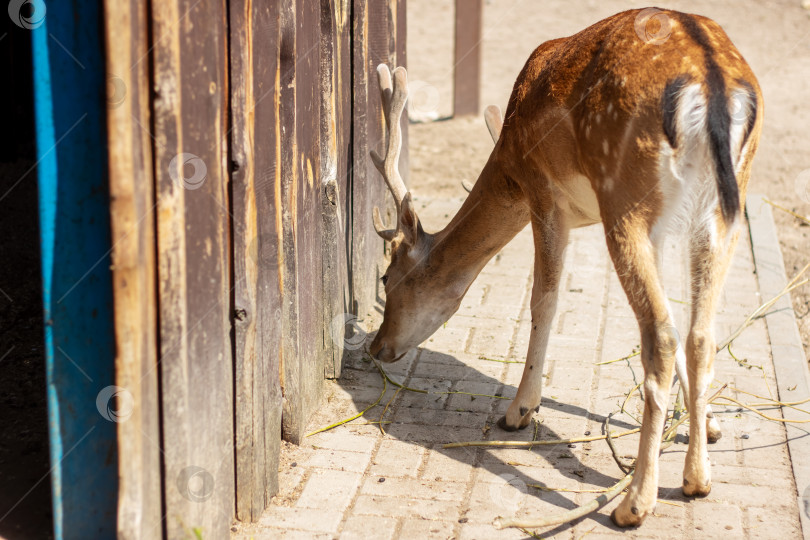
{"type": "Point", "coordinates": [494, 212]}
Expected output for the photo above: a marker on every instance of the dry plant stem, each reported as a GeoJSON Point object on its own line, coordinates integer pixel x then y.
{"type": "Point", "coordinates": [791, 212]}
{"type": "Point", "coordinates": [793, 284]}
{"type": "Point", "coordinates": [385, 410]}
{"type": "Point", "coordinates": [546, 488]}
{"type": "Point", "coordinates": [771, 401]}
{"type": "Point", "coordinates": [356, 416]}
{"type": "Point", "coordinates": [529, 444]}
{"type": "Point", "coordinates": [625, 467]}
{"type": "Point", "coordinates": [595, 504]}
{"type": "Point", "coordinates": [571, 515]}
{"type": "Point", "coordinates": [419, 390]}
{"type": "Point", "coordinates": [618, 359]}
{"type": "Point", "coordinates": [763, 415]}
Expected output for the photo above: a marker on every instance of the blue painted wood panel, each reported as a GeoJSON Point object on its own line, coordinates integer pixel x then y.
{"type": "Point", "coordinates": [83, 405]}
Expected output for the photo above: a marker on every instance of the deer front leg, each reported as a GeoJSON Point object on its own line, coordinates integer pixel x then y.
{"type": "Point", "coordinates": [550, 239]}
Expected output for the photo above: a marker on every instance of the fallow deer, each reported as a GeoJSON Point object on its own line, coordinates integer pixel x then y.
{"type": "Point", "coordinates": [645, 121]}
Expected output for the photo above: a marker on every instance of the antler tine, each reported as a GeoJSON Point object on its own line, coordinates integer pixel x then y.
{"type": "Point", "coordinates": [494, 120]}
{"type": "Point", "coordinates": [393, 101]}
{"type": "Point", "coordinates": [384, 76]}
{"type": "Point", "coordinates": [381, 228]}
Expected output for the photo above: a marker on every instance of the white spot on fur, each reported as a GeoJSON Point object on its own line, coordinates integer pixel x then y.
{"type": "Point", "coordinates": [607, 184]}
{"type": "Point", "coordinates": [610, 108]}
{"type": "Point", "coordinates": [606, 147]}
{"type": "Point", "coordinates": [598, 119]}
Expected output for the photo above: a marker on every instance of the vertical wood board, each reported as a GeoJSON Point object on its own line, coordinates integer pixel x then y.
{"type": "Point", "coordinates": [194, 265]}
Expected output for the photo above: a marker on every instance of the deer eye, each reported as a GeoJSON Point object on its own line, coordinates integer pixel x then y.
{"type": "Point", "coordinates": [384, 279]}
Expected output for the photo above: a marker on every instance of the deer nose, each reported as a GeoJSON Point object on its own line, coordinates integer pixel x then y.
{"type": "Point", "coordinates": [383, 352]}
{"type": "Point", "coordinates": [376, 346]}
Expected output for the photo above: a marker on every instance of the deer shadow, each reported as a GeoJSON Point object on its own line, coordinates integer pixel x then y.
{"type": "Point", "coordinates": [518, 481]}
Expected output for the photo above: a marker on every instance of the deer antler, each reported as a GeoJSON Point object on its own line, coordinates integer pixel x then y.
{"type": "Point", "coordinates": [393, 103]}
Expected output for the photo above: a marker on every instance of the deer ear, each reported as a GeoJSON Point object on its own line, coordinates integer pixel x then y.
{"type": "Point", "coordinates": [408, 221]}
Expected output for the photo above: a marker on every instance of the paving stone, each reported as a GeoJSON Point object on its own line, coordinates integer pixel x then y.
{"type": "Point", "coordinates": [305, 519]}
{"type": "Point", "coordinates": [415, 488]}
{"type": "Point", "coordinates": [449, 464]}
{"type": "Point", "coordinates": [403, 506]}
{"type": "Point", "coordinates": [717, 520]}
{"type": "Point", "coordinates": [339, 459]}
{"type": "Point", "coordinates": [397, 458]}
{"type": "Point", "coordinates": [329, 489]}
{"type": "Point", "coordinates": [368, 528]}
{"type": "Point", "coordinates": [342, 440]}
{"type": "Point", "coordinates": [425, 528]}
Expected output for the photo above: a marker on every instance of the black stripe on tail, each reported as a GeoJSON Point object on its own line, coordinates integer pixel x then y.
{"type": "Point", "coordinates": [718, 122]}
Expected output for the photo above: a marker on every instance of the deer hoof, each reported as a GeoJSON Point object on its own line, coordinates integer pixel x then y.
{"type": "Point", "coordinates": [626, 519]}
{"type": "Point", "coordinates": [695, 489]}
{"type": "Point", "coordinates": [504, 425]}
{"type": "Point", "coordinates": [713, 433]}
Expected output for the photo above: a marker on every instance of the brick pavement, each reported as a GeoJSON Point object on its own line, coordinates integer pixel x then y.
{"type": "Point", "coordinates": [355, 482]}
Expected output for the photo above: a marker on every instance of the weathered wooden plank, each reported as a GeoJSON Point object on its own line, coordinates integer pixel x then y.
{"type": "Point", "coordinates": [402, 60]}
{"type": "Point", "coordinates": [288, 184]}
{"type": "Point", "coordinates": [305, 392]}
{"type": "Point", "coordinates": [133, 267]}
{"type": "Point", "coordinates": [467, 57]}
{"type": "Point", "coordinates": [335, 133]}
{"type": "Point", "coordinates": [190, 120]}
{"type": "Point", "coordinates": [371, 46]}
{"type": "Point", "coordinates": [254, 150]}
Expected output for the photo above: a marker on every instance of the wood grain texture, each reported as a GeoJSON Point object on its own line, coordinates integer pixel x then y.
{"type": "Point", "coordinates": [190, 85]}
{"type": "Point", "coordinates": [372, 45]}
{"type": "Point", "coordinates": [255, 148]}
{"type": "Point", "coordinates": [402, 60]}
{"type": "Point", "coordinates": [335, 131]}
{"type": "Point", "coordinates": [310, 206]}
{"type": "Point", "coordinates": [292, 417]}
{"type": "Point", "coordinates": [133, 267]}
{"type": "Point", "coordinates": [467, 58]}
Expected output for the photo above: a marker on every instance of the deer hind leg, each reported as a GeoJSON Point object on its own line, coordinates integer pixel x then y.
{"type": "Point", "coordinates": [709, 259]}
{"type": "Point", "coordinates": [713, 432]}
{"type": "Point", "coordinates": [550, 238]}
{"type": "Point", "coordinates": [634, 256]}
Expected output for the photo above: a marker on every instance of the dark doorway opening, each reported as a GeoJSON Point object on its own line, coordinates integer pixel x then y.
{"type": "Point", "coordinates": [25, 496]}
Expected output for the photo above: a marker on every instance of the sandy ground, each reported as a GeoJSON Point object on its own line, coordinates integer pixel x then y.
{"type": "Point", "coordinates": [773, 36]}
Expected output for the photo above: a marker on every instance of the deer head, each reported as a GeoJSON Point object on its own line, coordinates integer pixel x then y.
{"type": "Point", "coordinates": [418, 298]}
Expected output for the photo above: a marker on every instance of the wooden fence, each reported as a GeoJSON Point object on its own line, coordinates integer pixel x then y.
{"type": "Point", "coordinates": [241, 196]}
